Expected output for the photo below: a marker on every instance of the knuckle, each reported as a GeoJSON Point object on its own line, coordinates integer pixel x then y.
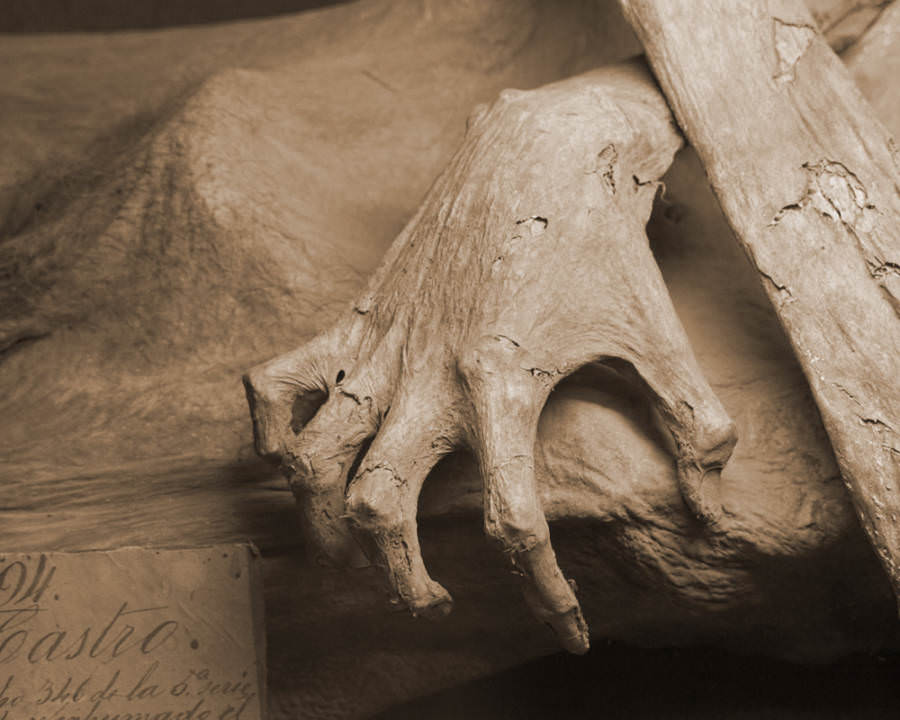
{"type": "Point", "coordinates": [269, 382]}
{"type": "Point", "coordinates": [359, 508]}
{"type": "Point", "coordinates": [255, 380]}
{"type": "Point", "coordinates": [516, 530]}
{"type": "Point", "coordinates": [300, 471]}
{"type": "Point", "coordinates": [358, 402]}
{"type": "Point", "coordinates": [490, 355]}
{"type": "Point", "coordinates": [284, 394]}
{"type": "Point", "coordinates": [306, 476]}
{"type": "Point", "coordinates": [469, 364]}
{"type": "Point", "coordinates": [267, 441]}
{"type": "Point", "coordinates": [723, 432]}
{"type": "Point", "coordinates": [370, 508]}
{"type": "Point", "coordinates": [513, 536]}
{"type": "Point", "coordinates": [715, 438]}
{"type": "Point", "coordinates": [255, 389]}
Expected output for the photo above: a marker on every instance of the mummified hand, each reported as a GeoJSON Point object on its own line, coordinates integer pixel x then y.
{"type": "Point", "coordinates": [527, 260]}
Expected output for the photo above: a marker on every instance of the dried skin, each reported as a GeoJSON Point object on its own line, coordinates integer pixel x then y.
{"type": "Point", "coordinates": [118, 424]}
{"type": "Point", "coordinates": [810, 188]}
{"type": "Point", "coordinates": [526, 261]}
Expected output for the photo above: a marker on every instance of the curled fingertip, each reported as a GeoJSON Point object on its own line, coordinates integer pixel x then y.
{"type": "Point", "coordinates": [573, 633]}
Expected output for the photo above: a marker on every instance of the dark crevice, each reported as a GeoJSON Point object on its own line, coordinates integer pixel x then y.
{"type": "Point", "coordinates": [305, 407]}
{"type": "Point", "coordinates": [20, 343]}
{"type": "Point", "coordinates": [357, 461]}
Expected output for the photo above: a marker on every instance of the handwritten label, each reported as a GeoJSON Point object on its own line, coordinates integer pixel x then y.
{"type": "Point", "coordinates": [132, 634]}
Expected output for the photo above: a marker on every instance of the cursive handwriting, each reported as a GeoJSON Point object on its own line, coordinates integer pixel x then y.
{"type": "Point", "coordinates": [200, 695]}
{"type": "Point", "coordinates": [20, 584]}
{"type": "Point", "coordinates": [138, 630]}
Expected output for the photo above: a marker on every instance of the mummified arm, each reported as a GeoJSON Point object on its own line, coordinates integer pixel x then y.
{"type": "Point", "coordinates": [810, 181]}
{"type": "Point", "coordinates": [527, 260]}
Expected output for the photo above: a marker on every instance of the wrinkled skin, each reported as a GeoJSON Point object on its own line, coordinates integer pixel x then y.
{"type": "Point", "coordinates": [526, 261]}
